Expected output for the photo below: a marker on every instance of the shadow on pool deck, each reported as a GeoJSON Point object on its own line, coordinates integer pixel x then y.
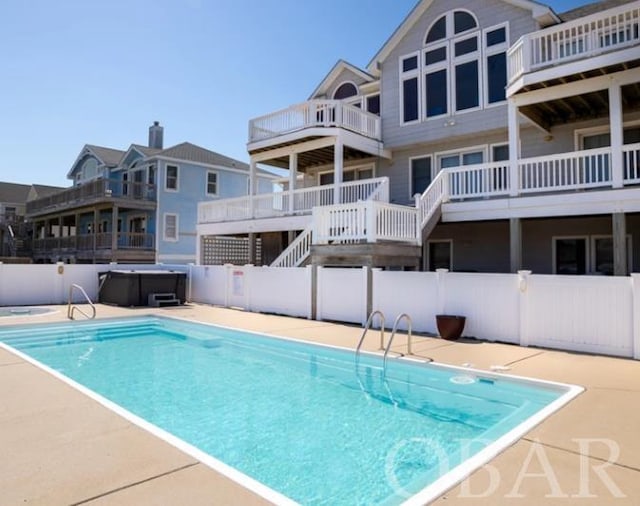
{"type": "Point", "coordinates": [61, 447]}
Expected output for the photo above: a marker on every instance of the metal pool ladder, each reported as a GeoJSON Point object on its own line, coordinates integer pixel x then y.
{"type": "Point", "coordinates": [393, 334]}
{"type": "Point", "coordinates": [71, 308]}
{"type": "Point", "coordinates": [368, 326]}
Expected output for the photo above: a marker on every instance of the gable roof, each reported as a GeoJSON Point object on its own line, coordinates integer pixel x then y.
{"type": "Point", "coordinates": [108, 156]}
{"type": "Point", "coordinates": [40, 190]}
{"type": "Point", "coordinates": [335, 72]}
{"type": "Point", "coordinates": [145, 150]}
{"type": "Point", "coordinates": [192, 153]}
{"type": "Point", "coordinates": [14, 193]}
{"type": "Point", "coordinates": [592, 8]}
{"type": "Point", "coordinates": [542, 13]}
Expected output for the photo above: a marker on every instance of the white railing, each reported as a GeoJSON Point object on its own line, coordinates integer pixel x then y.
{"type": "Point", "coordinates": [566, 171]}
{"type": "Point", "coordinates": [315, 113]}
{"type": "Point", "coordinates": [584, 37]}
{"type": "Point", "coordinates": [369, 222]}
{"type": "Point", "coordinates": [484, 180]}
{"type": "Point", "coordinates": [297, 252]}
{"type": "Point", "coordinates": [284, 203]}
{"type": "Point", "coordinates": [429, 202]}
{"type": "Point", "coordinates": [631, 163]}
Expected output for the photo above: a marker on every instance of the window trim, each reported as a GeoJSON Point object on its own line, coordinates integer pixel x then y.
{"type": "Point", "coordinates": [356, 168]}
{"type": "Point", "coordinates": [580, 133]}
{"type": "Point", "coordinates": [461, 151]}
{"type": "Point", "coordinates": [412, 192]}
{"type": "Point", "coordinates": [428, 259]}
{"type": "Point", "coordinates": [496, 145]}
{"type": "Point", "coordinates": [166, 177]}
{"type": "Point", "coordinates": [405, 76]}
{"type": "Point", "coordinates": [592, 246]}
{"type": "Point", "coordinates": [165, 237]}
{"type": "Point", "coordinates": [554, 253]}
{"type": "Point", "coordinates": [217, 192]}
{"type": "Point", "coordinates": [352, 97]}
{"type": "Point", "coordinates": [491, 51]}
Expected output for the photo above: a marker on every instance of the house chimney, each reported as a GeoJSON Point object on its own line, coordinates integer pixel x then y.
{"type": "Point", "coordinates": [155, 135]}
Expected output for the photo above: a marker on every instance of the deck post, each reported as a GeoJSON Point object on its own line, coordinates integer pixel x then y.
{"type": "Point", "coordinates": [114, 233]}
{"type": "Point", "coordinates": [252, 185]}
{"type": "Point", "coordinates": [619, 233]}
{"type": "Point", "coordinates": [617, 129]}
{"type": "Point", "coordinates": [293, 171]}
{"type": "Point", "coordinates": [514, 147]}
{"type": "Point", "coordinates": [337, 171]}
{"type": "Point", "coordinates": [515, 238]}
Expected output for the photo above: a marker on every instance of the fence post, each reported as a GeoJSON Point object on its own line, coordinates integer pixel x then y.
{"type": "Point", "coordinates": [441, 276]}
{"type": "Point", "coordinates": [312, 280]}
{"type": "Point", "coordinates": [635, 290]}
{"type": "Point", "coordinates": [60, 295]}
{"type": "Point", "coordinates": [368, 290]}
{"type": "Point", "coordinates": [523, 286]}
{"type": "Point", "coordinates": [318, 289]}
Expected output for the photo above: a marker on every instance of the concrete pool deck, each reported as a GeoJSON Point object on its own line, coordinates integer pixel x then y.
{"type": "Point", "coordinates": [61, 447]}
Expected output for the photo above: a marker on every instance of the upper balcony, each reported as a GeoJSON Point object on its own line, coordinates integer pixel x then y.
{"type": "Point", "coordinates": [309, 120]}
{"type": "Point", "coordinates": [603, 42]}
{"type": "Point", "coordinates": [121, 193]}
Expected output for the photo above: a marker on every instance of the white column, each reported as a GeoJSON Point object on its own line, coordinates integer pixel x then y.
{"type": "Point", "coordinates": [252, 184]}
{"type": "Point", "coordinates": [293, 172]}
{"type": "Point", "coordinates": [338, 155]}
{"type": "Point", "coordinates": [514, 148]}
{"type": "Point", "coordinates": [615, 121]}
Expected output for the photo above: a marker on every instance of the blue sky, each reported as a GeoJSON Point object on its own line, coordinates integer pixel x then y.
{"type": "Point", "coordinates": [78, 72]}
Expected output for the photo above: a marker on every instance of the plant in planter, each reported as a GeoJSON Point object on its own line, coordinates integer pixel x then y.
{"type": "Point", "coordinates": [450, 327]}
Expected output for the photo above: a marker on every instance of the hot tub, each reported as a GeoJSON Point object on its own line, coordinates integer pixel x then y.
{"type": "Point", "coordinates": [133, 288]}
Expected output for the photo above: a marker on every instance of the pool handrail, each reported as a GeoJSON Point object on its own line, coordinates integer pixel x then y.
{"type": "Point", "coordinates": [367, 326]}
{"type": "Point", "coordinates": [72, 308]}
{"type": "Point", "coordinates": [393, 334]}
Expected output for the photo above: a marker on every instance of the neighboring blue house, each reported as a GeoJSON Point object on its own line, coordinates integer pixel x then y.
{"type": "Point", "coordinates": [138, 205]}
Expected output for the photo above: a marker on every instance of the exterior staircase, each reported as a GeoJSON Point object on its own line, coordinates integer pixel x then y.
{"type": "Point", "coordinates": [424, 217]}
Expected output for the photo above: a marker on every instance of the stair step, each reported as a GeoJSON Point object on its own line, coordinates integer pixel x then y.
{"type": "Point", "coordinates": [163, 299]}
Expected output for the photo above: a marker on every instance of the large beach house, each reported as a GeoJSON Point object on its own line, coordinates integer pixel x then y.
{"type": "Point", "coordinates": [136, 205]}
{"type": "Point", "coordinates": [485, 136]}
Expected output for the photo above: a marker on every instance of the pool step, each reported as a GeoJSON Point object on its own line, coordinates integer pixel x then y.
{"type": "Point", "coordinates": [163, 299]}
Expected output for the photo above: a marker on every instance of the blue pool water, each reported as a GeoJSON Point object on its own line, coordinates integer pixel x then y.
{"type": "Point", "coordinates": [299, 418]}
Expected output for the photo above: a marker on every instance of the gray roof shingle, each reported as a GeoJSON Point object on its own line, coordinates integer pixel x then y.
{"type": "Point", "coordinates": [191, 152]}
{"type": "Point", "coordinates": [14, 193]}
{"type": "Point", "coordinates": [591, 8]}
{"type": "Point", "coordinates": [111, 157]}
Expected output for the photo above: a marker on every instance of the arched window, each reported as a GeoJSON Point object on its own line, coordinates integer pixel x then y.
{"type": "Point", "coordinates": [460, 68]}
{"type": "Point", "coordinates": [345, 90]}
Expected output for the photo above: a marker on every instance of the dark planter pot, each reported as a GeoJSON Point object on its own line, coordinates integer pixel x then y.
{"type": "Point", "coordinates": [450, 327]}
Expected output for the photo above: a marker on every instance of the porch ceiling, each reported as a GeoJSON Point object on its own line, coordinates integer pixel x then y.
{"type": "Point", "coordinates": [580, 107]}
{"type": "Point", "coordinates": [316, 157]}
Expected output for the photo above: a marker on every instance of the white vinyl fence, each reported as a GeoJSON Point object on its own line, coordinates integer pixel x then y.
{"type": "Point", "coordinates": [595, 314]}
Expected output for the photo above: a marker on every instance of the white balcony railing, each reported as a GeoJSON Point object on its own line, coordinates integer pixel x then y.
{"type": "Point", "coordinates": [284, 203]}
{"type": "Point", "coordinates": [315, 113]}
{"type": "Point", "coordinates": [604, 31]}
{"type": "Point", "coordinates": [369, 222]}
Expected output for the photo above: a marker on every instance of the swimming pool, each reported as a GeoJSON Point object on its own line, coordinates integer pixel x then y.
{"type": "Point", "coordinates": [297, 418]}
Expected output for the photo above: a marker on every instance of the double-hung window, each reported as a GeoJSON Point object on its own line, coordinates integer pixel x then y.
{"type": "Point", "coordinates": [171, 181]}
{"type": "Point", "coordinates": [212, 183]}
{"type": "Point", "coordinates": [170, 227]}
